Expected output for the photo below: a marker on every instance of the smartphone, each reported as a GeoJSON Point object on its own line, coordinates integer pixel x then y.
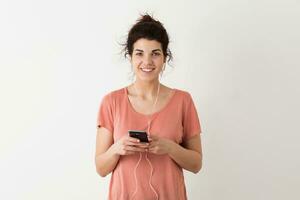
{"type": "Point", "coordinates": [141, 135]}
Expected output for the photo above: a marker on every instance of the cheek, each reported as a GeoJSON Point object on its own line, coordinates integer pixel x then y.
{"type": "Point", "coordinates": [159, 60]}
{"type": "Point", "coordinates": [136, 63]}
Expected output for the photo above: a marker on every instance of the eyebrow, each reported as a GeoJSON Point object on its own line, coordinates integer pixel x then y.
{"type": "Point", "coordinates": [143, 51]}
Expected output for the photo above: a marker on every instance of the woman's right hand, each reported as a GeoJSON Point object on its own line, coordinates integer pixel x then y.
{"type": "Point", "coordinates": [128, 145]}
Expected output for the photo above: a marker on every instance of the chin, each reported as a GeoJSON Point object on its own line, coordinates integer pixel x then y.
{"type": "Point", "coordinates": [148, 79]}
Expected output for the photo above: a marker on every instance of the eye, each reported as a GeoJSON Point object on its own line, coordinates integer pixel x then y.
{"type": "Point", "coordinates": [156, 54]}
{"type": "Point", "coordinates": [138, 54]}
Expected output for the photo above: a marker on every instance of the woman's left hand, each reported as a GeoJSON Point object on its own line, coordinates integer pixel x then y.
{"type": "Point", "coordinates": [159, 145]}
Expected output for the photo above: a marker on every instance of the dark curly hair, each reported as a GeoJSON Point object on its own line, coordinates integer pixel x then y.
{"type": "Point", "coordinates": [151, 29]}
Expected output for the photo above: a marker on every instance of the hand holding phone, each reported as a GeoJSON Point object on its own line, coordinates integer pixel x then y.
{"type": "Point", "coordinates": [141, 135]}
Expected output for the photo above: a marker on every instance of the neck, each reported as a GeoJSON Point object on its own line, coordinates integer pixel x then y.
{"type": "Point", "coordinates": [146, 90]}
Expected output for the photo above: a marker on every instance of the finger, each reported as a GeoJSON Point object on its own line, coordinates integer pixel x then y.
{"type": "Point", "coordinates": [129, 152]}
{"type": "Point", "coordinates": [152, 144]}
{"type": "Point", "coordinates": [133, 148]}
{"type": "Point", "coordinates": [131, 142]}
{"type": "Point", "coordinates": [153, 137]}
{"type": "Point", "coordinates": [137, 144]}
{"type": "Point", "coordinates": [132, 139]}
{"type": "Point", "coordinates": [152, 150]}
{"type": "Point", "coordinates": [143, 144]}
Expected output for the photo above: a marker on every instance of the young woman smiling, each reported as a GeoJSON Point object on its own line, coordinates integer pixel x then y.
{"type": "Point", "coordinates": [152, 170]}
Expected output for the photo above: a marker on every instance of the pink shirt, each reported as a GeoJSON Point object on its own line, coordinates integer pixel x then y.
{"type": "Point", "coordinates": [177, 121]}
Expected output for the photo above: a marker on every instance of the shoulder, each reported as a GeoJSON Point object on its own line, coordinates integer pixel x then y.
{"type": "Point", "coordinates": [180, 94]}
{"type": "Point", "coordinates": [183, 98]}
{"type": "Point", "coordinates": [117, 93]}
{"type": "Point", "coordinates": [183, 95]}
{"type": "Point", "coordinates": [114, 96]}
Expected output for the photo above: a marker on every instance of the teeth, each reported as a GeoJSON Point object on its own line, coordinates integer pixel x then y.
{"type": "Point", "coordinates": [147, 69]}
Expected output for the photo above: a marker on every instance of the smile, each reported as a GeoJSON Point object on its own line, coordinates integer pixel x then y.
{"type": "Point", "coordinates": [147, 69]}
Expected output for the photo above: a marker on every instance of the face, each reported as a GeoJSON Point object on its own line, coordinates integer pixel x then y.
{"type": "Point", "coordinates": [147, 59]}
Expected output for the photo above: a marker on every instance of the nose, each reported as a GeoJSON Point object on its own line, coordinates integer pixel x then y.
{"type": "Point", "coordinates": [147, 60]}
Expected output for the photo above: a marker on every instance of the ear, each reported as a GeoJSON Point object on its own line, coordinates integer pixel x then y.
{"type": "Point", "coordinates": [164, 67]}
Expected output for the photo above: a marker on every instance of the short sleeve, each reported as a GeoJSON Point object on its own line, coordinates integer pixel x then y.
{"type": "Point", "coordinates": [191, 123]}
{"type": "Point", "coordinates": [105, 114]}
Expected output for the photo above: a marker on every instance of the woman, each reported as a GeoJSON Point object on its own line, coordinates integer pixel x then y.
{"type": "Point", "coordinates": [151, 170]}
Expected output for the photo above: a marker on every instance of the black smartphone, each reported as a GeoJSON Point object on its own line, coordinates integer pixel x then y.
{"type": "Point", "coordinates": [141, 135]}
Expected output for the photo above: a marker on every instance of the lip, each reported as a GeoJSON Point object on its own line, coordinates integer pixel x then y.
{"type": "Point", "coordinates": [146, 69]}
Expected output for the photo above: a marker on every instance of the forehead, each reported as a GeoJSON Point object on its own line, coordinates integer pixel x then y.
{"type": "Point", "coordinates": [146, 45]}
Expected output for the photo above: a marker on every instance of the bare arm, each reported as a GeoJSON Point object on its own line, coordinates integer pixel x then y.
{"type": "Point", "coordinates": [105, 158]}
{"type": "Point", "coordinates": [108, 153]}
{"type": "Point", "coordinates": [188, 156]}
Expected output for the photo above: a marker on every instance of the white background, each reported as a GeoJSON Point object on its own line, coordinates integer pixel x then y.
{"type": "Point", "coordinates": [239, 60]}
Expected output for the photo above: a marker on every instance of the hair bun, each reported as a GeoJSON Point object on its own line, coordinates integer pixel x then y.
{"type": "Point", "coordinates": [146, 18]}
